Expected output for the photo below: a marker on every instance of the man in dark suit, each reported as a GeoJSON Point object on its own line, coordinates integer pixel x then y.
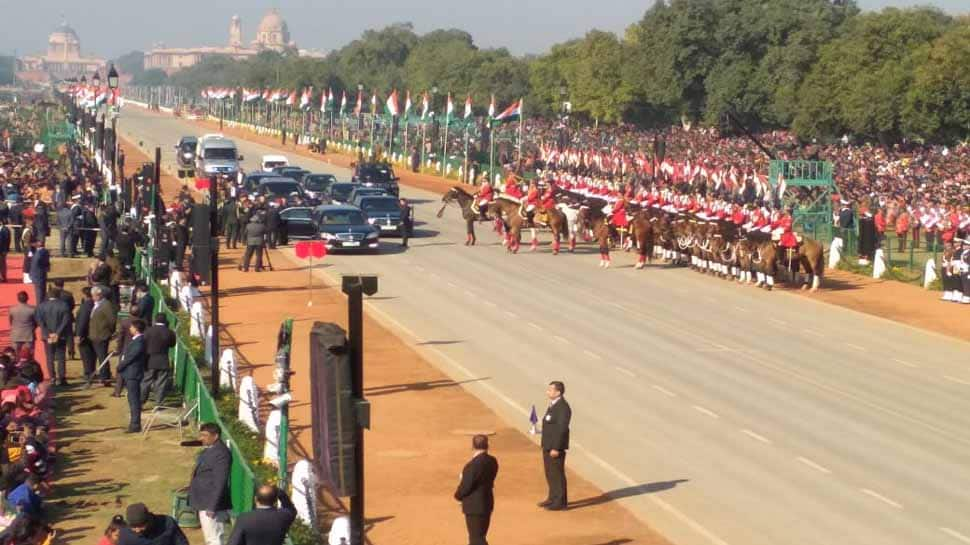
{"type": "Point", "coordinates": [68, 299]}
{"type": "Point", "coordinates": [132, 369]}
{"type": "Point", "coordinates": [54, 319]}
{"type": "Point", "coordinates": [209, 488]}
{"type": "Point", "coordinates": [158, 340]}
{"type": "Point", "coordinates": [255, 238]}
{"type": "Point", "coordinates": [40, 265]}
{"type": "Point", "coordinates": [555, 442]}
{"type": "Point", "coordinates": [104, 320]}
{"type": "Point", "coordinates": [144, 300]}
{"type": "Point", "coordinates": [267, 524]}
{"type": "Point", "coordinates": [475, 491]}
{"type": "Point", "coordinates": [4, 249]}
{"type": "Point", "coordinates": [407, 221]}
{"type": "Point", "coordinates": [23, 322]}
{"type": "Point", "coordinates": [82, 323]}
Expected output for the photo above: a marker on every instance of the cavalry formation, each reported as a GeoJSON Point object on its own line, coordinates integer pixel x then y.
{"type": "Point", "coordinates": [716, 246]}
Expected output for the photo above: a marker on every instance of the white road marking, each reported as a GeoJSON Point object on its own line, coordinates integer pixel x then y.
{"type": "Point", "coordinates": [955, 534]}
{"type": "Point", "coordinates": [754, 435]}
{"type": "Point", "coordinates": [617, 305]}
{"type": "Point", "coordinates": [880, 497]}
{"type": "Point", "coordinates": [418, 268]}
{"type": "Point", "coordinates": [592, 355]}
{"type": "Point", "coordinates": [433, 275]}
{"type": "Point", "coordinates": [711, 300]}
{"type": "Point", "coordinates": [906, 363]}
{"type": "Point", "coordinates": [776, 321]}
{"type": "Point", "coordinates": [471, 294]}
{"type": "Point", "coordinates": [490, 304]}
{"type": "Point", "coordinates": [625, 371]}
{"type": "Point", "coordinates": [812, 332]}
{"type": "Point", "coordinates": [813, 465]}
{"type": "Point", "coordinates": [740, 309]}
{"type": "Point", "coordinates": [562, 340]}
{"type": "Point", "coordinates": [535, 326]}
{"type": "Point", "coordinates": [664, 391]}
{"type": "Point", "coordinates": [706, 411]}
{"type": "Point", "coordinates": [452, 285]}
{"type": "Point", "coordinates": [957, 380]}
{"type": "Point", "coordinates": [856, 347]}
{"type": "Point", "coordinates": [511, 314]}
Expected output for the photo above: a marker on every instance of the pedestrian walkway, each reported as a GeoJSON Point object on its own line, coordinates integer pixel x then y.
{"type": "Point", "coordinates": [8, 298]}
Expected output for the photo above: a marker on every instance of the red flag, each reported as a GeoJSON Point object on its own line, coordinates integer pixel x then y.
{"type": "Point", "coordinates": [302, 249]}
{"type": "Point", "coordinates": [202, 184]}
{"type": "Point", "coordinates": [319, 249]}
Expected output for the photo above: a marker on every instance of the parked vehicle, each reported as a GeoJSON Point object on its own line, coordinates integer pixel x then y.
{"type": "Point", "coordinates": [216, 154]}
{"type": "Point", "coordinates": [340, 192]}
{"type": "Point", "coordinates": [269, 162]}
{"type": "Point", "coordinates": [377, 175]}
{"type": "Point", "coordinates": [298, 223]}
{"type": "Point", "coordinates": [185, 156]}
{"type": "Point", "coordinates": [382, 211]}
{"type": "Point", "coordinates": [317, 185]}
{"type": "Point", "coordinates": [343, 227]}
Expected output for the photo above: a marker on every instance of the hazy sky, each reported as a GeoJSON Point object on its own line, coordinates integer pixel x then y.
{"type": "Point", "coordinates": [113, 27]}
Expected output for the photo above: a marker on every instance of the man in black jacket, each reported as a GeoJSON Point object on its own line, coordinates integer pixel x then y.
{"type": "Point", "coordinates": [475, 491]}
{"type": "Point", "coordinates": [267, 524]}
{"type": "Point", "coordinates": [82, 325]}
{"type": "Point", "coordinates": [255, 238]}
{"type": "Point", "coordinates": [54, 319]}
{"type": "Point", "coordinates": [209, 487]}
{"type": "Point", "coordinates": [68, 299]}
{"type": "Point", "coordinates": [147, 528]}
{"type": "Point", "coordinates": [132, 370]}
{"type": "Point", "coordinates": [158, 340]}
{"type": "Point", "coordinates": [273, 225]}
{"type": "Point", "coordinates": [555, 442]}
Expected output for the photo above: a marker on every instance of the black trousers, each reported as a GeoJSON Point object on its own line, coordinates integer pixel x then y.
{"type": "Point", "coordinates": [40, 290]}
{"type": "Point", "coordinates": [477, 528]}
{"type": "Point", "coordinates": [134, 404]}
{"type": "Point", "coordinates": [405, 233]}
{"type": "Point", "coordinates": [155, 382]}
{"type": "Point", "coordinates": [100, 353]}
{"type": "Point", "coordinates": [556, 478]}
{"type": "Point", "coordinates": [56, 353]}
{"type": "Point", "coordinates": [88, 357]}
{"type": "Point", "coordinates": [231, 235]}
{"type": "Point", "coordinates": [247, 257]}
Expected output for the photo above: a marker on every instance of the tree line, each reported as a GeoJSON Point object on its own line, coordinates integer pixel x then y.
{"type": "Point", "coordinates": [820, 67]}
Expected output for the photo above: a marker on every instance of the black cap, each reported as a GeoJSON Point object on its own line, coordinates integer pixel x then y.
{"type": "Point", "coordinates": [137, 514]}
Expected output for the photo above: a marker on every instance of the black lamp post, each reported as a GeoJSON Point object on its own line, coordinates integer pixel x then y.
{"type": "Point", "coordinates": [113, 85]}
{"type": "Point", "coordinates": [360, 113]}
{"type": "Point", "coordinates": [562, 116]}
{"type": "Point", "coordinates": [434, 122]}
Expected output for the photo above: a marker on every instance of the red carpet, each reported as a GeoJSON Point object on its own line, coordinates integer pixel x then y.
{"type": "Point", "coordinates": [8, 298]}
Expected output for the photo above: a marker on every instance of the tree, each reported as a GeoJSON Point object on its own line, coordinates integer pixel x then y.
{"type": "Point", "coordinates": [132, 63]}
{"type": "Point", "coordinates": [937, 105]}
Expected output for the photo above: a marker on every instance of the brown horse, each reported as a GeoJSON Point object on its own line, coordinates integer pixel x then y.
{"type": "Point", "coordinates": [465, 201]}
{"type": "Point", "coordinates": [508, 211]}
{"type": "Point", "coordinates": [809, 257]}
{"type": "Point", "coordinates": [595, 220]}
{"type": "Point", "coordinates": [557, 222]}
{"type": "Point", "coordinates": [643, 233]}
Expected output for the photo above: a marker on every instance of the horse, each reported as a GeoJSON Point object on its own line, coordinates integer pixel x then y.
{"type": "Point", "coordinates": [642, 233]}
{"type": "Point", "coordinates": [595, 220]}
{"type": "Point", "coordinates": [507, 210]}
{"type": "Point", "coordinates": [558, 223]}
{"type": "Point", "coordinates": [809, 256]}
{"type": "Point", "coordinates": [464, 200]}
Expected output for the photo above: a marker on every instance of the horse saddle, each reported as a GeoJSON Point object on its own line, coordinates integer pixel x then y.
{"type": "Point", "coordinates": [542, 217]}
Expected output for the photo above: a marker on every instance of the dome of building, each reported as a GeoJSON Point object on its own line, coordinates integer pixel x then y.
{"type": "Point", "coordinates": [272, 22]}
{"type": "Point", "coordinates": [63, 43]}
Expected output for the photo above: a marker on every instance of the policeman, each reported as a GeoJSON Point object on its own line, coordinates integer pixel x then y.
{"type": "Point", "coordinates": [407, 221]}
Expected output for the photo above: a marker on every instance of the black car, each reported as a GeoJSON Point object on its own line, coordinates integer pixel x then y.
{"type": "Point", "coordinates": [340, 192]}
{"type": "Point", "coordinates": [382, 211]}
{"type": "Point", "coordinates": [343, 227]}
{"type": "Point", "coordinates": [281, 188]}
{"type": "Point", "coordinates": [298, 223]}
{"type": "Point", "coordinates": [361, 191]}
{"type": "Point", "coordinates": [377, 175]}
{"type": "Point", "coordinates": [317, 186]}
{"type": "Point", "coordinates": [185, 152]}
{"type": "Point", "coordinates": [293, 172]}
{"type": "Point", "coordinates": [251, 180]}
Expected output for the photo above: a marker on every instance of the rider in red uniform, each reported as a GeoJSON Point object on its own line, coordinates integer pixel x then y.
{"type": "Point", "coordinates": [532, 198]}
{"type": "Point", "coordinates": [485, 196]}
{"type": "Point", "coordinates": [618, 218]}
{"type": "Point", "coordinates": [788, 239]}
{"type": "Point", "coordinates": [548, 202]}
{"type": "Point", "coordinates": [512, 188]}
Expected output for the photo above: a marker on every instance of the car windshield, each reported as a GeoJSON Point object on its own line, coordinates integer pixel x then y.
{"type": "Point", "coordinates": [317, 183]}
{"type": "Point", "coordinates": [280, 188]}
{"type": "Point", "coordinates": [341, 191]}
{"type": "Point", "coordinates": [375, 174]}
{"type": "Point", "coordinates": [379, 205]}
{"type": "Point", "coordinates": [343, 217]}
{"type": "Point", "coordinates": [220, 153]}
{"type": "Point", "coordinates": [274, 164]}
{"type": "Point", "coordinates": [188, 146]}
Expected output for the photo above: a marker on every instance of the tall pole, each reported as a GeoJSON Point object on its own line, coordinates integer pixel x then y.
{"type": "Point", "coordinates": [491, 151]}
{"type": "Point", "coordinates": [467, 179]}
{"type": "Point", "coordinates": [355, 323]}
{"type": "Point", "coordinates": [214, 286]}
{"type": "Point", "coordinates": [444, 147]}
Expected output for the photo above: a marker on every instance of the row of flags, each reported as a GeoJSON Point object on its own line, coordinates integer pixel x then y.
{"type": "Point", "coordinates": [92, 96]}
{"type": "Point", "coordinates": [392, 105]}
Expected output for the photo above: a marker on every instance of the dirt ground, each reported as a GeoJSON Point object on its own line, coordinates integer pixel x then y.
{"type": "Point", "coordinates": [417, 445]}
{"type": "Point", "coordinates": [888, 299]}
{"type": "Point", "coordinates": [99, 469]}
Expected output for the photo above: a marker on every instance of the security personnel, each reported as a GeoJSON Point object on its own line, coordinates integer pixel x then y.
{"type": "Point", "coordinates": [407, 221]}
{"type": "Point", "coordinates": [230, 222]}
{"type": "Point", "coordinates": [555, 442]}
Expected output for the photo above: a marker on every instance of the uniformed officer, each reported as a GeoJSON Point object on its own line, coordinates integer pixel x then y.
{"type": "Point", "coordinates": [407, 221]}
{"type": "Point", "coordinates": [555, 442]}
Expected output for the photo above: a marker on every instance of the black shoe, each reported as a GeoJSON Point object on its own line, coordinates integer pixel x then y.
{"type": "Point", "coordinates": [129, 430]}
{"type": "Point", "coordinates": [556, 508]}
{"type": "Point", "coordinates": [544, 503]}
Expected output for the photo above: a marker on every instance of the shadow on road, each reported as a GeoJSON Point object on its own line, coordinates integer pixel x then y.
{"type": "Point", "coordinates": [630, 491]}
{"type": "Point", "coordinates": [417, 386]}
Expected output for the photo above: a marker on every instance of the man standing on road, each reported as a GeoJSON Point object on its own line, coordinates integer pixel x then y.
{"type": "Point", "coordinates": [23, 322]}
{"type": "Point", "coordinates": [40, 265]}
{"type": "Point", "coordinates": [555, 442]}
{"type": "Point", "coordinates": [407, 221]}
{"type": "Point", "coordinates": [158, 340]}
{"type": "Point", "coordinates": [82, 328]}
{"type": "Point", "coordinates": [230, 222]}
{"type": "Point", "coordinates": [255, 238]}
{"type": "Point", "coordinates": [475, 491]}
{"type": "Point", "coordinates": [132, 370]}
{"type": "Point", "coordinates": [55, 321]}
{"type": "Point", "coordinates": [68, 299]}
{"type": "Point", "coordinates": [65, 220]}
{"type": "Point", "coordinates": [101, 328]}
{"type": "Point", "coordinates": [209, 487]}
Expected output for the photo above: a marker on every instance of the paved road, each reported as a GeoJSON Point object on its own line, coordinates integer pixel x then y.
{"type": "Point", "coordinates": [719, 414]}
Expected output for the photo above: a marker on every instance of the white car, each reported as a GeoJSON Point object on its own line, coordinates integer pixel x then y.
{"type": "Point", "coordinates": [269, 162]}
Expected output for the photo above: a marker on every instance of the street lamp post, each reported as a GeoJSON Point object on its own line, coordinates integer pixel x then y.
{"type": "Point", "coordinates": [562, 116]}
{"type": "Point", "coordinates": [360, 114]}
{"type": "Point", "coordinates": [113, 85]}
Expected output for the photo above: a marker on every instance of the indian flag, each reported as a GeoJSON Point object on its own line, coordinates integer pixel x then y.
{"type": "Point", "coordinates": [407, 104]}
{"type": "Point", "coordinates": [373, 103]}
{"type": "Point", "coordinates": [512, 113]}
{"type": "Point", "coordinates": [343, 102]}
{"type": "Point", "coordinates": [451, 107]}
{"type": "Point", "coordinates": [491, 108]}
{"type": "Point", "coordinates": [425, 106]}
{"type": "Point", "coordinates": [360, 103]}
{"type": "Point", "coordinates": [291, 99]}
{"type": "Point", "coordinates": [468, 107]}
{"type": "Point", "coordinates": [305, 98]}
{"type": "Point", "coordinates": [391, 104]}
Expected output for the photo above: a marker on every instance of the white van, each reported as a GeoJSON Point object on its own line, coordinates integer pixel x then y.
{"type": "Point", "coordinates": [270, 162]}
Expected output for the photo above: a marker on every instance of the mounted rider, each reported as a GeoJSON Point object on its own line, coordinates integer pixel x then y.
{"type": "Point", "coordinates": [482, 199]}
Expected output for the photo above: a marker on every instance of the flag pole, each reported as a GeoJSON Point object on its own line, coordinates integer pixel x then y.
{"type": "Point", "coordinates": [444, 149]}
{"type": "Point", "coordinates": [521, 118]}
{"type": "Point", "coordinates": [491, 151]}
{"type": "Point", "coordinates": [466, 153]}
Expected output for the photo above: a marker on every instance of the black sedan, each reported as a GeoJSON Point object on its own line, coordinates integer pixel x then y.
{"type": "Point", "coordinates": [298, 223]}
{"type": "Point", "coordinates": [340, 192]}
{"type": "Point", "coordinates": [343, 227]}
